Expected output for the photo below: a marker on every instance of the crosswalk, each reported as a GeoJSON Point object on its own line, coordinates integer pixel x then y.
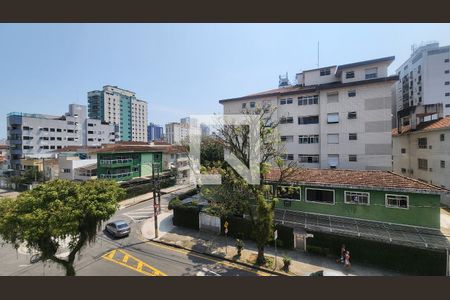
{"type": "Point", "coordinates": [139, 214]}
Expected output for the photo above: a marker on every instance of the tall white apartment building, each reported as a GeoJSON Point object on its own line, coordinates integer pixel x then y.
{"type": "Point", "coordinates": [333, 117]}
{"type": "Point", "coordinates": [424, 79]}
{"type": "Point", "coordinates": [122, 108]}
{"type": "Point", "coordinates": [177, 133]}
{"type": "Point", "coordinates": [423, 152]}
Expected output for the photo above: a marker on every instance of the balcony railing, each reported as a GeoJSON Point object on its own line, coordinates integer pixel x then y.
{"type": "Point", "coordinates": [116, 161]}
{"type": "Point", "coordinates": [116, 176]}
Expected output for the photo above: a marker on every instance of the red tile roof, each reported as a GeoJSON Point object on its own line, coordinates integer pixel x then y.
{"type": "Point", "coordinates": [374, 179]}
{"type": "Point", "coordinates": [425, 126]}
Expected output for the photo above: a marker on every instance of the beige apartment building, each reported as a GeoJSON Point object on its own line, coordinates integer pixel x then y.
{"type": "Point", "coordinates": [423, 152]}
{"type": "Point", "coordinates": [333, 117]}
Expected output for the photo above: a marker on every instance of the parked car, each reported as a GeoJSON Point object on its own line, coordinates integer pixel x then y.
{"type": "Point", "coordinates": [118, 228]}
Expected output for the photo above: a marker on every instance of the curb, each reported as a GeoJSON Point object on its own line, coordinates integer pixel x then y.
{"type": "Point", "coordinates": [223, 258]}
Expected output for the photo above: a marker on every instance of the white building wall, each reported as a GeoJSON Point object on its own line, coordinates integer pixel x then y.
{"type": "Point", "coordinates": [408, 161]}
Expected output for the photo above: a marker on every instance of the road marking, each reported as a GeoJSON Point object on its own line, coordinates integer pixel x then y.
{"type": "Point", "coordinates": [207, 270]}
{"type": "Point", "coordinates": [225, 263]}
{"type": "Point", "coordinates": [141, 267]}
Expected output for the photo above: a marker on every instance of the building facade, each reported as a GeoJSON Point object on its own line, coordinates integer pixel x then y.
{"type": "Point", "coordinates": [424, 153]}
{"type": "Point", "coordinates": [37, 135]}
{"type": "Point", "coordinates": [424, 78]}
{"type": "Point", "coordinates": [155, 132]}
{"type": "Point", "coordinates": [177, 133]}
{"type": "Point", "coordinates": [120, 107]}
{"type": "Point", "coordinates": [334, 117]}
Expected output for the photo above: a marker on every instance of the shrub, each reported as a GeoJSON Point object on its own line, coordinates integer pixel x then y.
{"type": "Point", "coordinates": [186, 216]}
{"type": "Point", "coordinates": [239, 246]}
{"type": "Point", "coordinates": [174, 203]}
{"type": "Point", "coordinates": [286, 263]}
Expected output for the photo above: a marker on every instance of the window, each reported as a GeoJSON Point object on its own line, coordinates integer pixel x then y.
{"type": "Point", "coordinates": [308, 120]}
{"type": "Point", "coordinates": [58, 130]}
{"type": "Point", "coordinates": [352, 93]}
{"type": "Point", "coordinates": [333, 160]}
{"type": "Point", "coordinates": [356, 197]}
{"type": "Point", "coordinates": [289, 101]}
{"type": "Point", "coordinates": [308, 158]}
{"type": "Point", "coordinates": [447, 94]}
{"type": "Point", "coordinates": [308, 139]}
{"type": "Point", "coordinates": [289, 192]}
{"type": "Point", "coordinates": [442, 163]}
{"type": "Point", "coordinates": [308, 100]}
{"type": "Point", "coordinates": [403, 150]}
{"type": "Point", "coordinates": [352, 136]}
{"type": "Point", "coordinates": [287, 156]}
{"type": "Point", "coordinates": [447, 83]}
{"type": "Point", "coordinates": [350, 74]}
{"type": "Point", "coordinates": [442, 137]}
{"type": "Point", "coordinates": [403, 170]}
{"type": "Point", "coordinates": [447, 71]}
{"type": "Point", "coordinates": [422, 143]}
{"type": "Point", "coordinates": [286, 120]}
{"type": "Point", "coordinates": [332, 97]}
{"type": "Point", "coordinates": [325, 72]}
{"type": "Point", "coordinates": [333, 138]}
{"type": "Point", "coordinates": [371, 73]}
{"type": "Point", "coordinates": [252, 104]}
{"type": "Point", "coordinates": [422, 164]}
{"type": "Point", "coordinates": [351, 115]}
{"type": "Point", "coordinates": [52, 129]}
{"type": "Point", "coordinates": [66, 170]}
{"type": "Point", "coordinates": [333, 118]}
{"type": "Point", "coordinates": [446, 60]}
{"type": "Point", "coordinates": [319, 195]}
{"type": "Point", "coordinates": [352, 157]}
{"type": "Point", "coordinates": [397, 201]}
{"type": "Point", "coordinates": [282, 101]}
{"type": "Point", "coordinates": [287, 138]}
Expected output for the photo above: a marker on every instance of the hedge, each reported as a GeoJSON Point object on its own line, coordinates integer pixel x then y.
{"type": "Point", "coordinates": [186, 216]}
{"type": "Point", "coordinates": [141, 189]}
{"type": "Point", "coordinates": [394, 257]}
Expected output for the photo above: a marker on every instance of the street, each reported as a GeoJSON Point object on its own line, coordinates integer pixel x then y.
{"type": "Point", "coordinates": [130, 256]}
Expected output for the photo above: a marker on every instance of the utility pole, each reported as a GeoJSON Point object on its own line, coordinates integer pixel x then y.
{"type": "Point", "coordinates": [155, 206]}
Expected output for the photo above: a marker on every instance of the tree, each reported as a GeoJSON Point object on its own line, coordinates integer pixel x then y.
{"type": "Point", "coordinates": [59, 210]}
{"type": "Point", "coordinates": [211, 150]}
{"type": "Point", "coordinates": [235, 194]}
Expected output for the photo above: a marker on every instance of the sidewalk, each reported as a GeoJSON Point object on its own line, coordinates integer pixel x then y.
{"type": "Point", "coordinates": [301, 263]}
{"type": "Point", "coordinates": [176, 189]}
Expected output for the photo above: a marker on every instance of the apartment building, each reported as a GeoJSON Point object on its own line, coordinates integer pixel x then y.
{"type": "Point", "coordinates": [4, 158]}
{"type": "Point", "coordinates": [333, 117]}
{"type": "Point", "coordinates": [423, 152]}
{"type": "Point", "coordinates": [37, 135]}
{"type": "Point", "coordinates": [122, 108]}
{"type": "Point", "coordinates": [177, 133]}
{"type": "Point", "coordinates": [424, 79]}
{"type": "Point", "coordinates": [155, 132]}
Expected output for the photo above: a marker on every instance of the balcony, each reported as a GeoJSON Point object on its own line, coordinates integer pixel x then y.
{"type": "Point", "coordinates": [116, 162]}
{"type": "Point", "coordinates": [124, 175]}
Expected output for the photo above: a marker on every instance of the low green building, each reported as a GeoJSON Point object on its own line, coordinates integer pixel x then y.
{"type": "Point", "coordinates": [367, 195]}
{"type": "Point", "coordinates": [122, 165]}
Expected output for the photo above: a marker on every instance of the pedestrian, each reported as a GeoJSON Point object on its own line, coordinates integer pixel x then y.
{"type": "Point", "coordinates": [347, 263]}
{"type": "Point", "coordinates": [341, 259]}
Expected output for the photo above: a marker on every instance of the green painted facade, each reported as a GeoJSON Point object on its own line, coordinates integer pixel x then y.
{"type": "Point", "coordinates": [423, 209]}
{"type": "Point", "coordinates": [126, 166]}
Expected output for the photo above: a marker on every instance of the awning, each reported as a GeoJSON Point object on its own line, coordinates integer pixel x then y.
{"type": "Point", "coordinates": [89, 167]}
{"type": "Point", "coordinates": [403, 235]}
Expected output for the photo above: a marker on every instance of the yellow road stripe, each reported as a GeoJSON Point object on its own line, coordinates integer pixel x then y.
{"type": "Point", "coordinates": [110, 256]}
{"type": "Point", "coordinates": [225, 263]}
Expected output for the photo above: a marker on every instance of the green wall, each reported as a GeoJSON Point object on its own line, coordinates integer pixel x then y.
{"type": "Point", "coordinates": [146, 162]}
{"type": "Point", "coordinates": [416, 214]}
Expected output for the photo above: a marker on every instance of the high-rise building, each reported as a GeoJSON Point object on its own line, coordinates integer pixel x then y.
{"type": "Point", "coordinates": [424, 79]}
{"type": "Point", "coordinates": [177, 133]}
{"type": "Point", "coordinates": [122, 108]}
{"type": "Point", "coordinates": [37, 135]}
{"type": "Point", "coordinates": [155, 132]}
{"type": "Point", "coordinates": [333, 117]}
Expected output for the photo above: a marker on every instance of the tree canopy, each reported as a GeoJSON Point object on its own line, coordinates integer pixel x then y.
{"type": "Point", "coordinates": [59, 210]}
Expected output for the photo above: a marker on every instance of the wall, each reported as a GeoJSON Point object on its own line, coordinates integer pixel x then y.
{"type": "Point", "coordinates": [376, 211]}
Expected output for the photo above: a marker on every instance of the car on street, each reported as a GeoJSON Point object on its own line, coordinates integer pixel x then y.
{"type": "Point", "coordinates": [118, 228]}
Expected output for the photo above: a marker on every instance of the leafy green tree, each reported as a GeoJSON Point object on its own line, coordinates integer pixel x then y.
{"type": "Point", "coordinates": [211, 150]}
{"type": "Point", "coordinates": [59, 210]}
{"type": "Point", "coordinates": [235, 195]}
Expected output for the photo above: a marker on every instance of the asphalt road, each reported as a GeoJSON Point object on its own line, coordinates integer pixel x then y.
{"type": "Point", "coordinates": [130, 256]}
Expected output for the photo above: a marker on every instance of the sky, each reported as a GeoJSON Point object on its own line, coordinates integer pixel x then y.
{"type": "Point", "coordinates": [181, 69]}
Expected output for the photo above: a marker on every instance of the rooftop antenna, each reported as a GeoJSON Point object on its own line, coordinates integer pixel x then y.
{"type": "Point", "coordinates": [318, 54]}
